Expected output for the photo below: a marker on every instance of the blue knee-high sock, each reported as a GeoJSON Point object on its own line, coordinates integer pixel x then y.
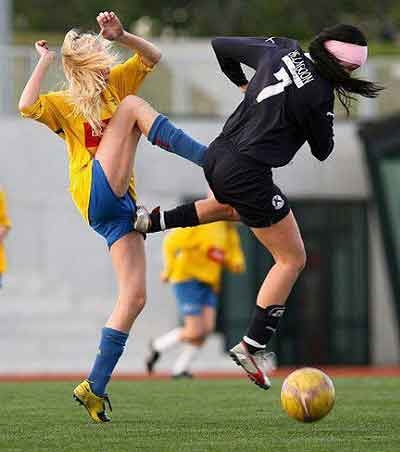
{"type": "Point", "coordinates": [112, 345]}
{"type": "Point", "coordinates": [165, 135]}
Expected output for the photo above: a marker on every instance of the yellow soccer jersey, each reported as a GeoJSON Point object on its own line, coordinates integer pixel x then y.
{"type": "Point", "coordinates": [55, 110]}
{"type": "Point", "coordinates": [201, 253]}
{"type": "Point", "coordinates": [4, 222]}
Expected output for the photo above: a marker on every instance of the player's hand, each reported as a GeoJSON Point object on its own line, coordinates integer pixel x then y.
{"type": "Point", "coordinates": [163, 278]}
{"type": "Point", "coordinates": [110, 26]}
{"type": "Point", "coordinates": [42, 49]}
{"type": "Point", "coordinates": [243, 88]}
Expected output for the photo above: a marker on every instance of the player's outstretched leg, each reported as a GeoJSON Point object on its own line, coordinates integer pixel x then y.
{"type": "Point", "coordinates": [202, 211]}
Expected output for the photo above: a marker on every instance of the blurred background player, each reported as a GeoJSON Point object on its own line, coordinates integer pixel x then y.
{"type": "Point", "coordinates": [5, 225]}
{"type": "Point", "coordinates": [101, 161]}
{"type": "Point", "coordinates": [194, 259]}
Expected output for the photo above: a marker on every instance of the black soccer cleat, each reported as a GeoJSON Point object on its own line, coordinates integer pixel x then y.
{"type": "Point", "coordinates": [151, 360]}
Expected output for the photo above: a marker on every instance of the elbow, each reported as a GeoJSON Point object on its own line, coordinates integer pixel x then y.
{"type": "Point", "coordinates": [157, 56]}
{"type": "Point", "coordinates": [22, 106]}
{"type": "Point", "coordinates": [321, 157]}
{"type": "Point", "coordinates": [322, 153]}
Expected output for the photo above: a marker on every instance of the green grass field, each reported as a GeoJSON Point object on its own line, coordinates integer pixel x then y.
{"type": "Point", "coordinates": [198, 416]}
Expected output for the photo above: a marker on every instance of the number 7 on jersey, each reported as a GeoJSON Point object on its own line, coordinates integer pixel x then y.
{"type": "Point", "coordinates": [277, 88]}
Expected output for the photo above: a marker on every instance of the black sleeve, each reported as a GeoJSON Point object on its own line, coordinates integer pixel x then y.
{"type": "Point", "coordinates": [231, 52]}
{"type": "Point", "coordinates": [318, 127]}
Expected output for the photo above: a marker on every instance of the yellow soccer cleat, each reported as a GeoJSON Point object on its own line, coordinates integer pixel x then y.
{"type": "Point", "coordinates": [94, 404]}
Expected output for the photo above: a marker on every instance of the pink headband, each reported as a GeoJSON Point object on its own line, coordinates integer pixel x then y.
{"type": "Point", "coordinates": [346, 52]}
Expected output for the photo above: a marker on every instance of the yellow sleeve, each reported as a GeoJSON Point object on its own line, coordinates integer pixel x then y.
{"type": "Point", "coordinates": [173, 242]}
{"type": "Point", "coordinates": [234, 259]}
{"type": "Point", "coordinates": [44, 111]}
{"type": "Point", "coordinates": [127, 77]}
{"type": "Point", "coordinates": [4, 218]}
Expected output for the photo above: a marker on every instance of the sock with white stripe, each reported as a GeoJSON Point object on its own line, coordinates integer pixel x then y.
{"type": "Point", "coordinates": [263, 325]}
{"type": "Point", "coordinates": [181, 217]}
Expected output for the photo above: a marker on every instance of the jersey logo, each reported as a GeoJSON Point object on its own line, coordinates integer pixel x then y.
{"type": "Point", "coordinates": [278, 202]}
{"type": "Point", "coordinates": [277, 312]}
{"type": "Point", "coordinates": [271, 39]}
{"type": "Point", "coordinates": [91, 140]}
{"type": "Point", "coordinates": [216, 255]}
{"type": "Point", "coordinates": [330, 114]}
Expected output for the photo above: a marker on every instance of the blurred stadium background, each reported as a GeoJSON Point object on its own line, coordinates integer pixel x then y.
{"type": "Point", "coordinates": [60, 287]}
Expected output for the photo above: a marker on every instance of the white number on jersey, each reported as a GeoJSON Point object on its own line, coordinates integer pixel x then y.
{"type": "Point", "coordinates": [277, 88]}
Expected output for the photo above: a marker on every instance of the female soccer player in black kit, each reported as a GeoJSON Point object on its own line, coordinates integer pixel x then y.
{"type": "Point", "coordinates": [289, 101]}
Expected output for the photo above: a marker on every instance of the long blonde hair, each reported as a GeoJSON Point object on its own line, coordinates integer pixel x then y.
{"type": "Point", "coordinates": [86, 59]}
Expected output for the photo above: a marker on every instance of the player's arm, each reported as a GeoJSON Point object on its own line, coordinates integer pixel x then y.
{"type": "Point", "coordinates": [31, 92]}
{"type": "Point", "coordinates": [231, 52]}
{"type": "Point", "coordinates": [112, 29]}
{"type": "Point", "coordinates": [319, 130]}
{"type": "Point", "coordinates": [313, 105]}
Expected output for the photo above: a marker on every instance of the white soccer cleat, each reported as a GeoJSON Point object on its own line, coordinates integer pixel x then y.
{"type": "Point", "coordinates": [142, 221]}
{"type": "Point", "coordinates": [257, 365]}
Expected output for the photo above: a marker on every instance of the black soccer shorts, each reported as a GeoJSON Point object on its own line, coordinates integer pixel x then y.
{"type": "Point", "coordinates": [245, 184]}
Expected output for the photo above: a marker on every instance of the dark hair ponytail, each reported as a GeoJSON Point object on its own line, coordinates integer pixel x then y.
{"type": "Point", "coordinates": [331, 69]}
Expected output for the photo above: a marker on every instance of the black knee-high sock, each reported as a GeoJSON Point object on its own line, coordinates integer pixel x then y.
{"type": "Point", "coordinates": [263, 325]}
{"type": "Point", "coordinates": [182, 216]}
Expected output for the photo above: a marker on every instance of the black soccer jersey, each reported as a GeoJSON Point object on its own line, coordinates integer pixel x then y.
{"type": "Point", "coordinates": [286, 102]}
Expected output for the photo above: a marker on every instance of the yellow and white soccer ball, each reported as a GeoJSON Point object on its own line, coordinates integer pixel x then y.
{"type": "Point", "coordinates": [307, 394]}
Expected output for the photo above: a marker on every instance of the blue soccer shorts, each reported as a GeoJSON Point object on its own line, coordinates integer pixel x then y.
{"type": "Point", "coordinates": [109, 215]}
{"type": "Point", "coordinates": [192, 296]}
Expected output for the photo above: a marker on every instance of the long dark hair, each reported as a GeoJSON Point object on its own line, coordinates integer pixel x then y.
{"type": "Point", "coordinates": [331, 69]}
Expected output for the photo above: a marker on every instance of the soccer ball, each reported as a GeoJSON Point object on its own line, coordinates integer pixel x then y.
{"type": "Point", "coordinates": [307, 394]}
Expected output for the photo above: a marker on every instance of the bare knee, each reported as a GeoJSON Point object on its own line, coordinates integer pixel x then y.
{"type": "Point", "coordinates": [195, 337]}
{"type": "Point", "coordinates": [133, 104]}
{"type": "Point", "coordinates": [197, 341]}
{"type": "Point", "coordinates": [297, 261]}
{"type": "Point", "coordinates": [134, 301]}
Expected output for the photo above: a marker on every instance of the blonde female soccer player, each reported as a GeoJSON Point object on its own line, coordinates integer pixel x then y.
{"type": "Point", "coordinates": [5, 225]}
{"type": "Point", "coordinates": [100, 167]}
{"type": "Point", "coordinates": [193, 262]}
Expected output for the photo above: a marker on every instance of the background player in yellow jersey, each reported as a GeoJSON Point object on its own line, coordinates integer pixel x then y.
{"type": "Point", "coordinates": [100, 167]}
{"type": "Point", "coordinates": [193, 262]}
{"type": "Point", "coordinates": [5, 225]}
